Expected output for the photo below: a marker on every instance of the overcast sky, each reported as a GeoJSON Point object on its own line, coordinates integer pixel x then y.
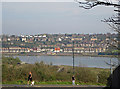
{"type": "Point", "coordinates": [53, 17]}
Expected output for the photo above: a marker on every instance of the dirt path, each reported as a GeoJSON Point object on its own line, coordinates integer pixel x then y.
{"type": "Point", "coordinates": [13, 85]}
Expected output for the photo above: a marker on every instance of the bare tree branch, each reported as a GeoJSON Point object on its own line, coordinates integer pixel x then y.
{"type": "Point", "coordinates": [90, 4]}
{"type": "Point", "coordinates": [113, 24]}
{"type": "Point", "coordinates": [113, 64]}
{"type": "Point", "coordinates": [114, 27]}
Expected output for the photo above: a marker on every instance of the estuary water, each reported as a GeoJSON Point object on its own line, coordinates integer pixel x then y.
{"type": "Point", "coordinates": [82, 61]}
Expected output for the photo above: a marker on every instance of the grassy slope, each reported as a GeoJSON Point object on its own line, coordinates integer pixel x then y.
{"type": "Point", "coordinates": [43, 73]}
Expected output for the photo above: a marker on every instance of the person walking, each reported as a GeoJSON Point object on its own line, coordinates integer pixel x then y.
{"type": "Point", "coordinates": [73, 80]}
{"type": "Point", "coordinates": [30, 78]}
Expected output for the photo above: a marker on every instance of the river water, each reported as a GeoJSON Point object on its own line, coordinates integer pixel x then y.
{"type": "Point", "coordinates": [82, 61]}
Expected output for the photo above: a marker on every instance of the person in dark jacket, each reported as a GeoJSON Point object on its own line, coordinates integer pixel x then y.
{"type": "Point", "coordinates": [30, 77]}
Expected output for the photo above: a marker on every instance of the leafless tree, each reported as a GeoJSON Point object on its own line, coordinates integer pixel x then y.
{"type": "Point", "coordinates": [113, 22]}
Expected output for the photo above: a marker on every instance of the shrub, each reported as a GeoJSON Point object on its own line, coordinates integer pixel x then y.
{"type": "Point", "coordinates": [10, 60]}
{"type": "Point", "coordinates": [102, 77]}
{"type": "Point", "coordinates": [85, 75]}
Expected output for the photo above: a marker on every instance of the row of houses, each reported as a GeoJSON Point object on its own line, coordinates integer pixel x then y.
{"type": "Point", "coordinates": [58, 37]}
{"type": "Point", "coordinates": [26, 39]}
{"type": "Point", "coordinates": [64, 50]}
{"type": "Point", "coordinates": [14, 50]}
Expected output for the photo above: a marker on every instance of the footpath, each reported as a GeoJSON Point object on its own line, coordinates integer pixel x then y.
{"type": "Point", "coordinates": [52, 87]}
{"type": "Point", "coordinates": [13, 85]}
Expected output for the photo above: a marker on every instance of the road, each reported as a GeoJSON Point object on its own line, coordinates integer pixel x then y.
{"type": "Point", "coordinates": [51, 87]}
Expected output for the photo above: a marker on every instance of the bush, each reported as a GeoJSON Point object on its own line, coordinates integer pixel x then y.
{"type": "Point", "coordinates": [10, 60]}
{"type": "Point", "coordinates": [102, 77]}
{"type": "Point", "coordinates": [85, 75]}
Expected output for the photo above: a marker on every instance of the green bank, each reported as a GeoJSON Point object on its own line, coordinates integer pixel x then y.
{"type": "Point", "coordinates": [14, 72]}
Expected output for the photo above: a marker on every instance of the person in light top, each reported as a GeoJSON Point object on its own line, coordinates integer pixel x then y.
{"type": "Point", "coordinates": [73, 80]}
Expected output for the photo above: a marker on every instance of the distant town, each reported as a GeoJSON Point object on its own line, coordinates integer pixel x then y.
{"type": "Point", "coordinates": [57, 43]}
